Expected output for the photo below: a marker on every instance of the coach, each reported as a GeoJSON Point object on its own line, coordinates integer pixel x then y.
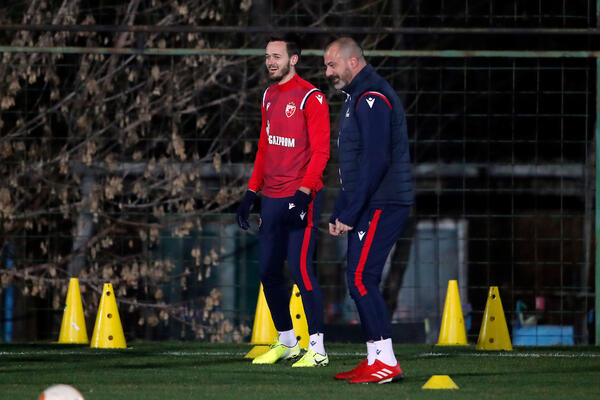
{"type": "Point", "coordinates": [374, 200]}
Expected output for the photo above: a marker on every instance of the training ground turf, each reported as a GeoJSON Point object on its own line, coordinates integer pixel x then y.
{"type": "Point", "coordinates": [194, 370]}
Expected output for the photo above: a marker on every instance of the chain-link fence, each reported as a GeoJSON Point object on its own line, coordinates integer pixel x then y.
{"type": "Point", "coordinates": [124, 164]}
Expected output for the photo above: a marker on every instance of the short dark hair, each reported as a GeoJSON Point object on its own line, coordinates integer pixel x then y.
{"type": "Point", "coordinates": [292, 43]}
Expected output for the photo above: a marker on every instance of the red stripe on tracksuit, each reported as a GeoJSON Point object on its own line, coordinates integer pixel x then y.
{"type": "Point", "coordinates": [305, 243]}
{"type": "Point", "coordinates": [365, 253]}
{"type": "Point", "coordinates": [374, 94]}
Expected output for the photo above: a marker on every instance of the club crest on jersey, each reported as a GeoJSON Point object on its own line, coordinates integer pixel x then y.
{"type": "Point", "coordinates": [290, 109]}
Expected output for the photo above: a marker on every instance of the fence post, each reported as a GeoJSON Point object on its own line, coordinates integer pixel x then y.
{"type": "Point", "coordinates": [597, 227]}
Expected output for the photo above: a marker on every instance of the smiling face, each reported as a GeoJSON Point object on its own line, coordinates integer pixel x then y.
{"type": "Point", "coordinates": [337, 68]}
{"type": "Point", "coordinates": [280, 65]}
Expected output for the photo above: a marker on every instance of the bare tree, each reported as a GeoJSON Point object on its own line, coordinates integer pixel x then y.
{"type": "Point", "coordinates": [104, 154]}
{"type": "Point", "coordinates": [100, 153]}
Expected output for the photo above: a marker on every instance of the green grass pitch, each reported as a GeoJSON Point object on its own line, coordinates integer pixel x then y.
{"type": "Point", "coordinates": [194, 370]}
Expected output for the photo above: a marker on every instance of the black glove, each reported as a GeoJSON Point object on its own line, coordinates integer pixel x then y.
{"type": "Point", "coordinates": [297, 214]}
{"type": "Point", "coordinates": [243, 211]}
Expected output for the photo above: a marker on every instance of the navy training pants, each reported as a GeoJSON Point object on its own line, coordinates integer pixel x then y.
{"type": "Point", "coordinates": [278, 242]}
{"type": "Point", "coordinates": [369, 245]}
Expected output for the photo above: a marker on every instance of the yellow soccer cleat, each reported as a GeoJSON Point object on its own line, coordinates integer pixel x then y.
{"type": "Point", "coordinates": [312, 359]}
{"type": "Point", "coordinates": [277, 352]}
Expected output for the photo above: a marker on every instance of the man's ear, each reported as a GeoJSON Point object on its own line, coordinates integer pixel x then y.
{"type": "Point", "coordinates": [294, 60]}
{"type": "Point", "coordinates": [353, 62]}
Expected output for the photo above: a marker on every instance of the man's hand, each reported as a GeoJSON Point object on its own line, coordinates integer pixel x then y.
{"type": "Point", "coordinates": [333, 230]}
{"type": "Point", "coordinates": [243, 211]}
{"type": "Point", "coordinates": [339, 228]}
{"type": "Point", "coordinates": [297, 213]}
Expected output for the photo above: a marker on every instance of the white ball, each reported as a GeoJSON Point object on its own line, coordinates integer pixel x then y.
{"type": "Point", "coordinates": [61, 392]}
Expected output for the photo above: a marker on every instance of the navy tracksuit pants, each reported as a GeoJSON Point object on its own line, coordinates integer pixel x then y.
{"type": "Point", "coordinates": [278, 242]}
{"type": "Point", "coordinates": [369, 245]}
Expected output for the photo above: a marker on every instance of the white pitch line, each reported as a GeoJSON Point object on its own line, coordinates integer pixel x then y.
{"type": "Point", "coordinates": [224, 353]}
{"type": "Point", "coordinates": [164, 353]}
{"type": "Point", "coordinates": [200, 353]}
{"type": "Point", "coordinates": [511, 354]}
{"type": "Point", "coordinates": [334, 354]}
{"type": "Point", "coordinates": [61, 353]}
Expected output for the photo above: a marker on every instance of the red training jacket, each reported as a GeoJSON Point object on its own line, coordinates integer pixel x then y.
{"type": "Point", "coordinates": [293, 148]}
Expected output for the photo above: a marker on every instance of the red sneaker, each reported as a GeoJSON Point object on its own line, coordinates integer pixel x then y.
{"type": "Point", "coordinates": [356, 372]}
{"type": "Point", "coordinates": [379, 372]}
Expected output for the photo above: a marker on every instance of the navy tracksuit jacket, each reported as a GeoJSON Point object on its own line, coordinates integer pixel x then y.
{"type": "Point", "coordinates": [376, 190]}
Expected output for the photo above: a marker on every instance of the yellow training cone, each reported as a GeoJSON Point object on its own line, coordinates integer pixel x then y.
{"type": "Point", "coordinates": [440, 382]}
{"type": "Point", "coordinates": [299, 318]}
{"type": "Point", "coordinates": [452, 331]}
{"type": "Point", "coordinates": [494, 332]}
{"type": "Point", "coordinates": [263, 331]}
{"type": "Point", "coordinates": [108, 332]}
{"type": "Point", "coordinates": [72, 328]}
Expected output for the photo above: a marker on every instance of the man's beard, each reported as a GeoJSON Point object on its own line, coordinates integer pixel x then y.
{"type": "Point", "coordinates": [282, 72]}
{"type": "Point", "coordinates": [339, 81]}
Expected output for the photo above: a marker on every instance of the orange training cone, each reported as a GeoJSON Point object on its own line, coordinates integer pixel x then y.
{"type": "Point", "coordinates": [72, 328]}
{"type": "Point", "coordinates": [299, 318]}
{"type": "Point", "coordinates": [452, 331]}
{"type": "Point", "coordinates": [263, 331]}
{"type": "Point", "coordinates": [494, 332]}
{"type": "Point", "coordinates": [108, 331]}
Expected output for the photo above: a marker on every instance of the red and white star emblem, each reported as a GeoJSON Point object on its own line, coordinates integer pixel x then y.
{"type": "Point", "coordinates": [290, 109]}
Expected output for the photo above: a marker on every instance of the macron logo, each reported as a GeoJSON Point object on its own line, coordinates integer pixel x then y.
{"type": "Point", "coordinates": [361, 234]}
{"type": "Point", "coordinates": [320, 98]}
{"type": "Point", "coordinates": [302, 214]}
{"type": "Point", "coordinates": [291, 205]}
{"type": "Point", "coordinates": [268, 105]}
{"type": "Point", "coordinates": [370, 101]}
{"type": "Point", "coordinates": [347, 113]}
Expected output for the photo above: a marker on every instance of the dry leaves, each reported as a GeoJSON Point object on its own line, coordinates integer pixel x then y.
{"type": "Point", "coordinates": [112, 143]}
